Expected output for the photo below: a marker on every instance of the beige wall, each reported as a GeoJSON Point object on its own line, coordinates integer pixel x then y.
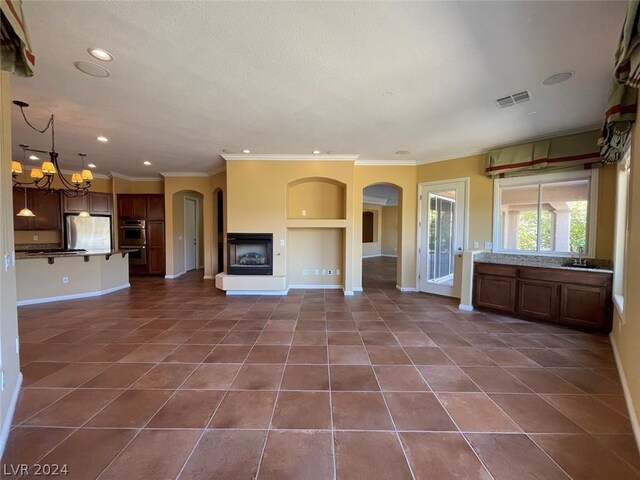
{"type": "Point", "coordinates": [389, 231]}
{"type": "Point", "coordinates": [626, 336]}
{"type": "Point", "coordinates": [316, 199]}
{"type": "Point", "coordinates": [257, 202]}
{"type": "Point", "coordinates": [122, 185]}
{"type": "Point", "coordinates": [311, 249]}
{"type": "Point", "coordinates": [8, 311]}
{"type": "Point", "coordinates": [373, 249]}
{"type": "Point", "coordinates": [403, 178]}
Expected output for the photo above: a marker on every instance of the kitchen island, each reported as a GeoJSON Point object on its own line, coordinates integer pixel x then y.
{"type": "Point", "coordinates": [56, 276]}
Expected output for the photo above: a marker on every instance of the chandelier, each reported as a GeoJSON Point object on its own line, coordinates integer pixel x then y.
{"type": "Point", "coordinates": [42, 178]}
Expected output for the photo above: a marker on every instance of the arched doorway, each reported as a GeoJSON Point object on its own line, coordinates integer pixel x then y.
{"type": "Point", "coordinates": [381, 236]}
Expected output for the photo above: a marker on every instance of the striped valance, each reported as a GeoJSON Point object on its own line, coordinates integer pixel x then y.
{"type": "Point", "coordinates": [578, 151]}
{"type": "Point", "coordinates": [17, 57]}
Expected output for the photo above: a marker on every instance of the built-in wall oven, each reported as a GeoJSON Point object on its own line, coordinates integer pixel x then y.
{"type": "Point", "coordinates": [132, 234]}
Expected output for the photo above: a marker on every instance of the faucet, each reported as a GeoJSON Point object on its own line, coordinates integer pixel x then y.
{"type": "Point", "coordinates": [580, 261]}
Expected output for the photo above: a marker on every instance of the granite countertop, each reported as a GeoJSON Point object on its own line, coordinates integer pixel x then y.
{"type": "Point", "coordinates": [541, 261]}
{"type": "Point", "coordinates": [29, 255]}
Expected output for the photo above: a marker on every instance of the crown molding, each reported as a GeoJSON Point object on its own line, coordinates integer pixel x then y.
{"type": "Point", "coordinates": [218, 170]}
{"type": "Point", "coordinates": [134, 179]}
{"type": "Point", "coordinates": [184, 174]}
{"type": "Point", "coordinates": [289, 157]}
{"type": "Point", "coordinates": [386, 163]}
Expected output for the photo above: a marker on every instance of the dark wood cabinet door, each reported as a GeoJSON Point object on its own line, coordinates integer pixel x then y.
{"type": "Point", "coordinates": [75, 204]}
{"type": "Point", "coordinates": [132, 207]}
{"type": "Point", "coordinates": [538, 299]}
{"type": "Point", "coordinates": [21, 223]}
{"type": "Point", "coordinates": [497, 293]}
{"type": "Point", "coordinates": [155, 247]}
{"type": "Point", "coordinates": [155, 207]}
{"type": "Point", "coordinates": [100, 203]}
{"type": "Point", "coordinates": [584, 305]}
{"type": "Point", "coordinates": [46, 206]}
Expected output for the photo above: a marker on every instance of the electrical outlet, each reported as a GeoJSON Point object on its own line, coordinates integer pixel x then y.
{"type": "Point", "coordinates": [18, 345]}
{"type": "Point", "coordinates": [35, 237]}
{"type": "Point", "coordinates": [2, 381]}
{"type": "Point", "coordinates": [317, 272]}
{"type": "Point", "coordinates": [7, 262]}
{"type": "Point", "coordinates": [337, 271]}
{"type": "Point", "coordinates": [476, 244]}
{"type": "Point", "coordinates": [305, 272]}
{"type": "Point", "coordinates": [488, 245]}
{"type": "Point", "coordinates": [65, 280]}
{"type": "Point", "coordinates": [329, 272]}
{"type": "Point", "coordinates": [324, 272]}
{"type": "Point", "coordinates": [304, 213]}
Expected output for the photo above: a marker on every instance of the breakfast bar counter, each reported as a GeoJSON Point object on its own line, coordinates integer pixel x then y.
{"type": "Point", "coordinates": [54, 276]}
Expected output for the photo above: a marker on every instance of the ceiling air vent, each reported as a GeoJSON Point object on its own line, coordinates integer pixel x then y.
{"type": "Point", "coordinates": [511, 100]}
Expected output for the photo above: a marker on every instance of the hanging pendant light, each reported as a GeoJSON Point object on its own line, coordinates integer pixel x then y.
{"type": "Point", "coordinates": [42, 178]}
{"type": "Point", "coordinates": [25, 212]}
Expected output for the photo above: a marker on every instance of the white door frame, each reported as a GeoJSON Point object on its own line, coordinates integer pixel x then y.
{"type": "Point", "coordinates": [197, 226]}
{"type": "Point", "coordinates": [422, 186]}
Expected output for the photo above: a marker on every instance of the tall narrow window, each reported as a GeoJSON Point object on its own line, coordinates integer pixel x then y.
{"type": "Point", "coordinates": [622, 212]}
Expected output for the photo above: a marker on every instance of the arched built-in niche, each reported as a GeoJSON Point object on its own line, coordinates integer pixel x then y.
{"type": "Point", "coordinates": [316, 198]}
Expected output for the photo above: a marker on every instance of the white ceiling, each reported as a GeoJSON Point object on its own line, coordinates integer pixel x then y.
{"type": "Point", "coordinates": [193, 78]}
{"type": "Point", "coordinates": [381, 194]}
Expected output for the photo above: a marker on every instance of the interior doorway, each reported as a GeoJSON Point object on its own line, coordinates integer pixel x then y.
{"type": "Point", "coordinates": [381, 236]}
{"type": "Point", "coordinates": [443, 220]}
{"type": "Point", "coordinates": [191, 246]}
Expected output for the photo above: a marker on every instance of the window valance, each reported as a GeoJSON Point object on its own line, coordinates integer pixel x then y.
{"type": "Point", "coordinates": [578, 151]}
{"type": "Point", "coordinates": [17, 56]}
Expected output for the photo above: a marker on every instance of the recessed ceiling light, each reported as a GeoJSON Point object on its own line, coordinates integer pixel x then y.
{"type": "Point", "coordinates": [532, 113]}
{"type": "Point", "coordinates": [147, 162]}
{"type": "Point", "coordinates": [403, 152]}
{"type": "Point", "coordinates": [100, 54]}
{"type": "Point", "coordinates": [316, 152]}
{"type": "Point", "coordinates": [92, 69]}
{"type": "Point", "coordinates": [246, 151]}
{"type": "Point", "coordinates": [91, 165]}
{"type": "Point", "coordinates": [388, 93]}
{"type": "Point", "coordinates": [559, 78]}
{"type": "Point", "coordinates": [33, 157]}
{"type": "Point", "coordinates": [102, 139]}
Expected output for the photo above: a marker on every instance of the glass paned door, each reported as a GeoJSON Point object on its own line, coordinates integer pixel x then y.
{"type": "Point", "coordinates": [442, 226]}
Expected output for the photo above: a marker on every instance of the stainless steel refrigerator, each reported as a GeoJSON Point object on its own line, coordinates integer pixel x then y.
{"type": "Point", "coordinates": [89, 233]}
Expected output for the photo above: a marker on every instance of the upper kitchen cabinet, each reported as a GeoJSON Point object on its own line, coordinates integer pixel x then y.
{"type": "Point", "coordinates": [132, 206]}
{"type": "Point", "coordinates": [44, 205]}
{"type": "Point", "coordinates": [141, 206]}
{"type": "Point", "coordinates": [94, 202]}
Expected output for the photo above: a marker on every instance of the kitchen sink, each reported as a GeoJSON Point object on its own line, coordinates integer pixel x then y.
{"type": "Point", "coordinates": [575, 265]}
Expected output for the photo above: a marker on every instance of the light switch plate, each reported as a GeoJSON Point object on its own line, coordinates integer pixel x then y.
{"type": "Point", "coordinates": [488, 245]}
{"type": "Point", "coordinates": [282, 243]}
{"type": "Point", "coordinates": [305, 272]}
{"type": "Point", "coordinates": [476, 244]}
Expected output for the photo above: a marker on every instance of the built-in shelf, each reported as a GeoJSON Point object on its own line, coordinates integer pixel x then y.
{"type": "Point", "coordinates": [316, 198]}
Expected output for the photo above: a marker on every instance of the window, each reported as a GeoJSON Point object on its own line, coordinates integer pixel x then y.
{"type": "Point", "coordinates": [620, 246]}
{"type": "Point", "coordinates": [548, 214]}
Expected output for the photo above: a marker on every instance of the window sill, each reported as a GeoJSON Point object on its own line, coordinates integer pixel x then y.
{"type": "Point", "coordinates": [618, 302]}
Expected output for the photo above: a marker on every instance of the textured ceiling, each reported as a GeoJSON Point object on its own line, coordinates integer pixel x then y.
{"type": "Point", "coordinates": [193, 78]}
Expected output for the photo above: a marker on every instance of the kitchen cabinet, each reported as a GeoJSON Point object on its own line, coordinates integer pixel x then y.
{"type": "Point", "coordinates": [45, 206]}
{"type": "Point", "coordinates": [572, 298]}
{"type": "Point", "coordinates": [155, 247]}
{"type": "Point", "coordinates": [148, 207]}
{"type": "Point", "coordinates": [95, 203]}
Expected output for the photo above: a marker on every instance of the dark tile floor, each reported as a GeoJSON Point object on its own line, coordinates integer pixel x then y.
{"type": "Point", "coordinates": [171, 379]}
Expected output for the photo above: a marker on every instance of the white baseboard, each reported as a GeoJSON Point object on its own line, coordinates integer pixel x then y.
{"type": "Point", "coordinates": [208, 277]}
{"type": "Point", "coordinates": [465, 307]}
{"type": "Point", "coordinates": [6, 426]}
{"type": "Point", "coordinates": [358, 289]}
{"type": "Point", "coordinates": [175, 275]}
{"type": "Point", "coordinates": [257, 292]}
{"type": "Point", "coordinates": [314, 287]}
{"type": "Point", "coordinates": [387, 255]}
{"type": "Point", "coordinates": [406, 289]}
{"type": "Point", "coordinates": [73, 296]}
{"type": "Point", "coordinates": [627, 393]}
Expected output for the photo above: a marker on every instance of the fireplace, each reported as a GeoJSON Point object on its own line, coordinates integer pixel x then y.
{"type": "Point", "coordinates": [250, 253]}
